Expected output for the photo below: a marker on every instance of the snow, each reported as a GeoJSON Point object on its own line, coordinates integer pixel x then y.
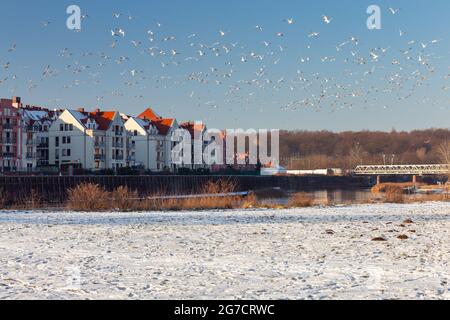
{"type": "Point", "coordinates": [311, 253]}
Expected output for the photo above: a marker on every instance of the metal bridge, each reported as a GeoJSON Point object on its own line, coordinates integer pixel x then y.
{"type": "Point", "coordinates": [413, 169]}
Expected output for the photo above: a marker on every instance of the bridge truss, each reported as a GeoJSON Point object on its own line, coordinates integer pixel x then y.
{"type": "Point", "coordinates": [413, 169]}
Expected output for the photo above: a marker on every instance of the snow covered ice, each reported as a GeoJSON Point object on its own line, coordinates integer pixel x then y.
{"type": "Point", "coordinates": [311, 253]}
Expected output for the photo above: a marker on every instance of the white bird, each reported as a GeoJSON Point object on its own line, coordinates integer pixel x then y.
{"type": "Point", "coordinates": [394, 11]}
{"type": "Point", "coordinates": [326, 19]}
{"type": "Point", "coordinates": [136, 43]}
{"type": "Point", "coordinates": [374, 56]}
{"type": "Point", "coordinates": [222, 33]}
{"type": "Point", "coordinates": [289, 20]}
{"type": "Point", "coordinates": [46, 23]}
{"type": "Point", "coordinates": [280, 34]}
{"type": "Point", "coordinates": [118, 32]}
{"type": "Point", "coordinates": [313, 34]}
{"type": "Point", "coordinates": [13, 48]}
{"type": "Point", "coordinates": [116, 15]}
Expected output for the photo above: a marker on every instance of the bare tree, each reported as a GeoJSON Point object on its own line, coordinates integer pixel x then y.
{"type": "Point", "coordinates": [357, 155]}
{"type": "Point", "coordinates": [444, 154]}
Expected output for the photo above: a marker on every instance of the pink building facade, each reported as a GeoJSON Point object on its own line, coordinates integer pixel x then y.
{"type": "Point", "coordinates": [10, 135]}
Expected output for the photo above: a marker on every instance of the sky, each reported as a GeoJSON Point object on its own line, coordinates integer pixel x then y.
{"type": "Point", "coordinates": [235, 64]}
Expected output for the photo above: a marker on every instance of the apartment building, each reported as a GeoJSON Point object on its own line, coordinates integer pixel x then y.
{"type": "Point", "coordinates": [36, 123]}
{"type": "Point", "coordinates": [90, 140]}
{"type": "Point", "coordinates": [160, 139]}
{"type": "Point", "coordinates": [34, 138]}
{"type": "Point", "coordinates": [196, 130]}
{"type": "Point", "coordinates": [10, 135]}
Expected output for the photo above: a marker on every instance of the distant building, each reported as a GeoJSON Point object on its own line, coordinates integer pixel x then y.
{"type": "Point", "coordinates": [36, 123]}
{"type": "Point", "coordinates": [196, 130]}
{"type": "Point", "coordinates": [163, 139]}
{"type": "Point", "coordinates": [35, 139]}
{"type": "Point", "coordinates": [10, 135]}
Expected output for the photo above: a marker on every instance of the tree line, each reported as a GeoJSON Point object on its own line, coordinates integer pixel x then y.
{"type": "Point", "coordinates": [324, 149]}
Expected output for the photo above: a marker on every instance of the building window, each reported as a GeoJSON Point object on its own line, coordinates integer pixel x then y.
{"type": "Point", "coordinates": [56, 141]}
{"type": "Point", "coordinates": [64, 140]}
{"type": "Point", "coordinates": [70, 128]}
{"type": "Point", "coordinates": [68, 152]}
{"type": "Point", "coordinates": [61, 127]}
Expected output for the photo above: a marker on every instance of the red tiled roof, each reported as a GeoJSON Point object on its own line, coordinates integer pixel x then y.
{"type": "Point", "coordinates": [192, 127]}
{"type": "Point", "coordinates": [6, 103]}
{"type": "Point", "coordinates": [149, 114]}
{"type": "Point", "coordinates": [103, 119]}
{"type": "Point", "coordinates": [163, 125]}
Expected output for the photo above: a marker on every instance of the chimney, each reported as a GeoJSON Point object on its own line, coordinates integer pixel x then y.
{"type": "Point", "coordinates": [16, 102]}
{"type": "Point", "coordinates": [80, 109]}
{"type": "Point", "coordinates": [97, 110]}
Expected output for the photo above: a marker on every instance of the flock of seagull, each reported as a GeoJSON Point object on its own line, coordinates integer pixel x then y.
{"type": "Point", "coordinates": [228, 74]}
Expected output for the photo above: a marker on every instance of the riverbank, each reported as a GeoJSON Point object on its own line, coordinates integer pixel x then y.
{"type": "Point", "coordinates": [309, 253]}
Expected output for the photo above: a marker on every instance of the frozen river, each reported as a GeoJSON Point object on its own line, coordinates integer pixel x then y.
{"type": "Point", "coordinates": [311, 253]}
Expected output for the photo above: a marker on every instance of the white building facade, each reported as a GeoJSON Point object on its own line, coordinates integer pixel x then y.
{"type": "Point", "coordinates": [89, 140]}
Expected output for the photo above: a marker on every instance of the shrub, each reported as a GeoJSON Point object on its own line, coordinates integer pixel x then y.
{"type": "Point", "coordinates": [3, 199]}
{"type": "Point", "coordinates": [301, 200]}
{"type": "Point", "coordinates": [124, 199]}
{"type": "Point", "coordinates": [395, 196]}
{"type": "Point", "coordinates": [89, 197]}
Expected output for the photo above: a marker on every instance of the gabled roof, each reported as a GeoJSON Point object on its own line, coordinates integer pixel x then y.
{"type": "Point", "coordinates": [164, 125]}
{"type": "Point", "coordinates": [102, 118]}
{"type": "Point", "coordinates": [192, 127]}
{"type": "Point", "coordinates": [144, 124]}
{"type": "Point", "coordinates": [149, 114]}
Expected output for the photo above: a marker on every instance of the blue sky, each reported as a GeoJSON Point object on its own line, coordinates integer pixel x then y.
{"type": "Point", "coordinates": [248, 84]}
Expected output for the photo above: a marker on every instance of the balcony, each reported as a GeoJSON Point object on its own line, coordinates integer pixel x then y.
{"type": "Point", "coordinates": [7, 126]}
{"type": "Point", "coordinates": [99, 144]}
{"type": "Point", "coordinates": [31, 129]}
{"type": "Point", "coordinates": [118, 133]}
{"type": "Point", "coordinates": [31, 156]}
{"type": "Point", "coordinates": [42, 163]}
{"type": "Point", "coordinates": [8, 155]}
{"type": "Point", "coordinates": [31, 142]}
{"type": "Point", "coordinates": [99, 157]}
{"type": "Point", "coordinates": [131, 158]}
{"type": "Point", "coordinates": [118, 145]}
{"type": "Point", "coordinates": [42, 145]}
{"type": "Point", "coordinates": [118, 157]}
{"type": "Point", "coordinates": [9, 140]}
